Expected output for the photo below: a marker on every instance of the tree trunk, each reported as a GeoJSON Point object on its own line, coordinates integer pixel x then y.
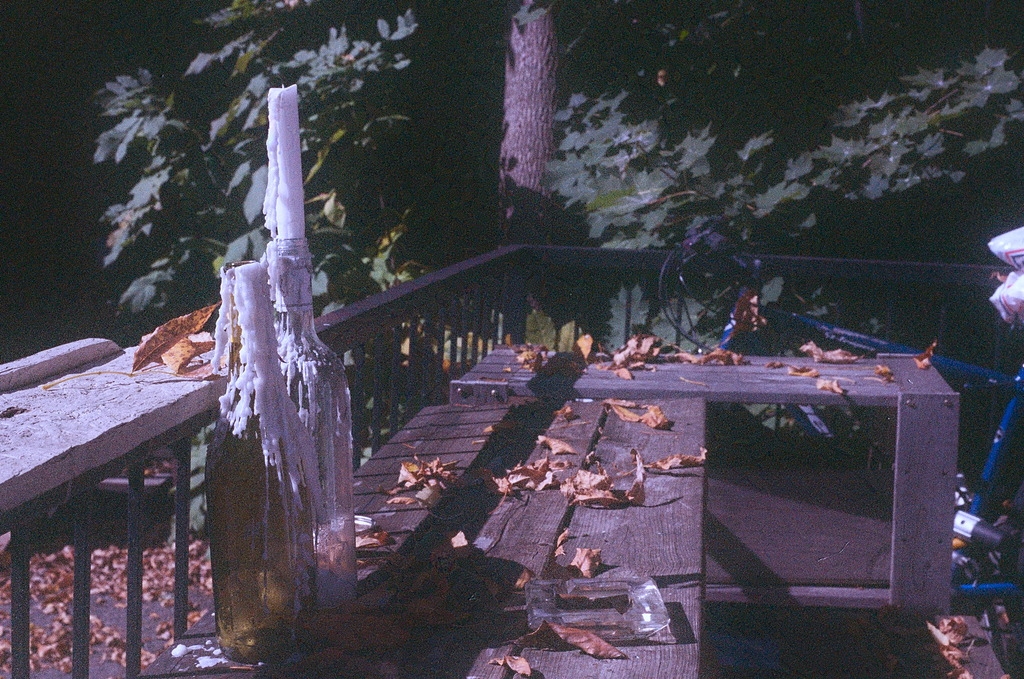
{"type": "Point", "coordinates": [528, 142]}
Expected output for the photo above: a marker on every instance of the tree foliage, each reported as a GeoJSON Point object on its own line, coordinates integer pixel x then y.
{"type": "Point", "coordinates": [195, 146]}
{"type": "Point", "coordinates": [639, 185]}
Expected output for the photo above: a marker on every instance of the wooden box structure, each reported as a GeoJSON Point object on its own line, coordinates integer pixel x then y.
{"type": "Point", "coordinates": [816, 537]}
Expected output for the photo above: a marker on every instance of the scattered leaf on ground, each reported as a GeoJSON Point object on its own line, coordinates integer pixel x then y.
{"type": "Point", "coordinates": [184, 350]}
{"type": "Point", "coordinates": [924, 359]}
{"type": "Point", "coordinates": [624, 413]}
{"type": "Point", "coordinates": [637, 350]}
{"type": "Point", "coordinates": [553, 636]}
{"type": "Point", "coordinates": [557, 446]}
{"type": "Point", "coordinates": [679, 461]}
{"type": "Point", "coordinates": [802, 371]}
{"type": "Point", "coordinates": [587, 561]}
{"type": "Point", "coordinates": [516, 663]}
{"type": "Point", "coordinates": [772, 365]}
{"type": "Point", "coordinates": [830, 385]}
{"type": "Point", "coordinates": [153, 346]}
{"type": "Point", "coordinates": [834, 356]}
{"type": "Point", "coordinates": [402, 500]}
{"type": "Point", "coordinates": [416, 474]}
{"type": "Point", "coordinates": [623, 373]}
{"type": "Point", "coordinates": [636, 494]}
{"type": "Point", "coordinates": [620, 402]}
{"type": "Point", "coordinates": [459, 540]}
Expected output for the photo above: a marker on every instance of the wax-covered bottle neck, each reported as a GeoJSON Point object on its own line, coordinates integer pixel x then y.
{"type": "Point", "coordinates": [293, 275]}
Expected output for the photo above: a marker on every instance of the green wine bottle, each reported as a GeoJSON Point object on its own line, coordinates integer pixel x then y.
{"type": "Point", "coordinates": [262, 489]}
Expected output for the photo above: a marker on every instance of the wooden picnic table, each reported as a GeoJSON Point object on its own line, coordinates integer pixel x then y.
{"type": "Point", "coordinates": [662, 539]}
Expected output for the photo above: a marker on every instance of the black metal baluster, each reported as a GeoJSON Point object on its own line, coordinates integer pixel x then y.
{"type": "Point", "coordinates": [453, 338]}
{"type": "Point", "coordinates": [464, 332]}
{"type": "Point", "coordinates": [80, 632]}
{"type": "Point", "coordinates": [20, 601]}
{"type": "Point", "coordinates": [379, 351]}
{"type": "Point", "coordinates": [486, 321]}
{"type": "Point", "coordinates": [358, 397]}
{"type": "Point", "coordinates": [426, 362]}
{"type": "Point", "coordinates": [182, 506]}
{"type": "Point", "coordinates": [477, 324]}
{"type": "Point", "coordinates": [396, 375]}
{"type": "Point", "coordinates": [414, 371]}
{"type": "Point", "coordinates": [440, 387]}
{"type": "Point", "coordinates": [133, 631]}
{"type": "Point", "coordinates": [629, 315]}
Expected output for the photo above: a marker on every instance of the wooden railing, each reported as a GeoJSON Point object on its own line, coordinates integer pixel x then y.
{"type": "Point", "coordinates": [403, 347]}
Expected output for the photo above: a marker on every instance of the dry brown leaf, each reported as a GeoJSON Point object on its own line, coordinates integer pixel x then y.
{"type": "Point", "coordinates": [885, 373]}
{"type": "Point", "coordinates": [566, 413]}
{"type": "Point", "coordinates": [560, 542]}
{"type": "Point", "coordinates": [637, 350]}
{"type": "Point", "coordinates": [802, 371]}
{"type": "Point", "coordinates": [557, 446]}
{"type": "Point", "coordinates": [772, 365]}
{"type": "Point", "coordinates": [516, 663]}
{"type": "Point", "coordinates": [636, 494]}
{"type": "Point", "coordinates": [374, 539]}
{"type": "Point", "coordinates": [584, 345]}
{"type": "Point", "coordinates": [620, 402]}
{"type": "Point", "coordinates": [152, 347]}
{"type": "Point", "coordinates": [830, 385]}
{"type": "Point", "coordinates": [715, 356]}
{"type": "Point", "coordinates": [587, 561]}
{"type": "Point", "coordinates": [747, 313]}
{"type": "Point", "coordinates": [623, 373]}
{"type": "Point", "coordinates": [680, 461]}
{"type": "Point", "coordinates": [655, 418]}
{"type": "Point", "coordinates": [524, 578]}
{"type": "Point", "coordinates": [415, 474]}
{"type": "Point", "coordinates": [459, 540]}
{"type": "Point", "coordinates": [624, 413]}
{"type": "Point", "coordinates": [924, 359]}
{"type": "Point", "coordinates": [178, 357]}
{"type": "Point", "coordinates": [553, 636]}
{"type": "Point", "coordinates": [834, 356]}
{"type": "Point", "coordinates": [402, 500]}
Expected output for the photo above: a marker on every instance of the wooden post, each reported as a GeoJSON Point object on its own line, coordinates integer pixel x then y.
{"type": "Point", "coordinates": [927, 426]}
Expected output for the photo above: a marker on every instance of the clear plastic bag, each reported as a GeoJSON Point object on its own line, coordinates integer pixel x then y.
{"type": "Point", "coordinates": [1009, 247]}
{"type": "Point", "coordinates": [1008, 299]}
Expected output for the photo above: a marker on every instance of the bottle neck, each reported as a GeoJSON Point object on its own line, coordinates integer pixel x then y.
{"type": "Point", "coordinates": [293, 287]}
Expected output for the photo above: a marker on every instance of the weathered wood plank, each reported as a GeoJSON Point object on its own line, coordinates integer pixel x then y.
{"type": "Point", "coordinates": [798, 527]}
{"type": "Point", "coordinates": [89, 421]}
{"type": "Point", "coordinates": [56, 361]}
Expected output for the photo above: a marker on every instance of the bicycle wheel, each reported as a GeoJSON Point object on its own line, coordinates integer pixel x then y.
{"type": "Point", "coordinates": [1003, 620]}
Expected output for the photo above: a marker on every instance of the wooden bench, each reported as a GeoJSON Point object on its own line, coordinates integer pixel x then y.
{"type": "Point", "coordinates": [661, 539]}
{"type": "Point", "coordinates": [817, 537]}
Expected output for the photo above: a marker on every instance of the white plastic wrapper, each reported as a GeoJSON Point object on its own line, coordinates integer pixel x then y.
{"type": "Point", "coordinates": [1009, 247]}
{"type": "Point", "coordinates": [1008, 299]}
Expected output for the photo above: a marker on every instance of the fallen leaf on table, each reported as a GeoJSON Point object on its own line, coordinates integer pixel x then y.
{"type": "Point", "coordinates": [184, 350]}
{"type": "Point", "coordinates": [584, 344]}
{"type": "Point", "coordinates": [772, 365]}
{"type": "Point", "coordinates": [802, 371]}
{"type": "Point", "coordinates": [924, 359]}
{"type": "Point", "coordinates": [624, 413]}
{"type": "Point", "coordinates": [830, 385]}
{"type": "Point", "coordinates": [715, 356]}
{"type": "Point", "coordinates": [503, 425]}
{"type": "Point", "coordinates": [623, 373]}
{"type": "Point", "coordinates": [531, 358]}
{"type": "Point", "coordinates": [587, 561]}
{"type": "Point", "coordinates": [459, 540]}
{"type": "Point", "coordinates": [402, 500]}
{"type": "Point", "coordinates": [595, 489]}
{"type": "Point", "coordinates": [566, 413]}
{"type": "Point", "coordinates": [516, 663]}
{"type": "Point", "coordinates": [374, 539]}
{"type": "Point", "coordinates": [620, 402]}
{"type": "Point", "coordinates": [415, 474]}
{"type": "Point", "coordinates": [560, 542]}
{"type": "Point", "coordinates": [885, 373]}
{"type": "Point", "coordinates": [524, 578]}
{"type": "Point", "coordinates": [553, 636]}
{"type": "Point", "coordinates": [655, 418]}
{"type": "Point", "coordinates": [636, 494]}
{"type": "Point", "coordinates": [679, 461]}
{"type": "Point", "coordinates": [949, 650]}
{"type": "Point", "coordinates": [557, 446]}
{"type": "Point", "coordinates": [637, 350]}
{"type": "Point", "coordinates": [154, 345]}
{"type": "Point", "coordinates": [834, 356]}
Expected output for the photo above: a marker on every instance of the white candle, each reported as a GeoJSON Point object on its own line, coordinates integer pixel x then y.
{"type": "Point", "coordinates": [283, 205]}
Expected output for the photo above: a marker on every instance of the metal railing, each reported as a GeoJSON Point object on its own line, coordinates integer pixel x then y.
{"type": "Point", "coordinates": [404, 345]}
